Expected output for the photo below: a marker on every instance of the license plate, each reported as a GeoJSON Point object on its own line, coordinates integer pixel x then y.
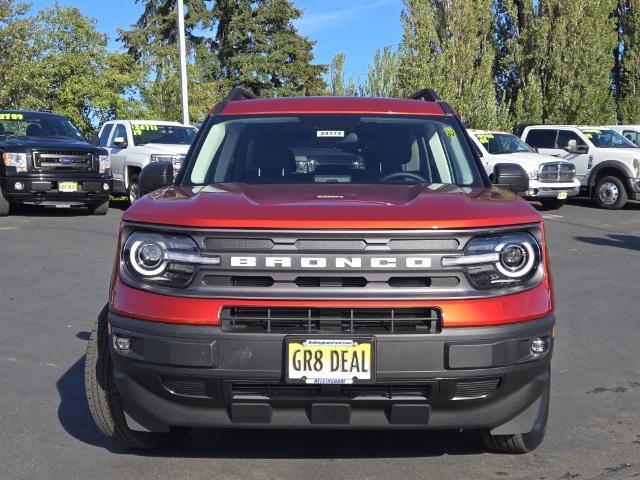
{"type": "Point", "coordinates": [562, 195]}
{"type": "Point", "coordinates": [67, 187]}
{"type": "Point", "coordinates": [329, 361]}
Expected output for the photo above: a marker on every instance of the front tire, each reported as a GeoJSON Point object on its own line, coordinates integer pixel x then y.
{"type": "Point", "coordinates": [99, 208]}
{"type": "Point", "coordinates": [104, 399]}
{"type": "Point", "coordinates": [5, 206]}
{"type": "Point", "coordinates": [552, 203]}
{"type": "Point", "coordinates": [610, 193]}
{"type": "Point", "coordinates": [134, 189]}
{"type": "Point", "coordinates": [521, 442]}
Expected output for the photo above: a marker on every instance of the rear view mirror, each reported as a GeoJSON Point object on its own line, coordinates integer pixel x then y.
{"type": "Point", "coordinates": [120, 142]}
{"type": "Point", "coordinates": [154, 176]}
{"type": "Point", "coordinates": [511, 176]}
{"type": "Point", "coordinates": [573, 147]}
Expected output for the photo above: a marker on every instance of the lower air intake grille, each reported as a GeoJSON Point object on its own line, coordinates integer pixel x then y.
{"type": "Point", "coordinates": [188, 387]}
{"type": "Point", "coordinates": [475, 389]}
{"type": "Point", "coordinates": [331, 320]}
{"type": "Point", "coordinates": [245, 391]}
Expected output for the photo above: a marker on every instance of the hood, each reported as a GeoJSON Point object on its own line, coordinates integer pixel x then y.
{"type": "Point", "coordinates": [237, 205]}
{"type": "Point", "coordinates": [162, 148]}
{"type": "Point", "coordinates": [47, 144]}
{"type": "Point", "coordinates": [529, 159]}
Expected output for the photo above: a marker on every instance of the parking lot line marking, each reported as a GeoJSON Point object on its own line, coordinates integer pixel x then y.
{"type": "Point", "coordinates": [6, 229]}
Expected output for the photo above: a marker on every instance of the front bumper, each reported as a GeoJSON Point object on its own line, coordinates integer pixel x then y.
{"type": "Point", "coordinates": [45, 189]}
{"type": "Point", "coordinates": [200, 376]}
{"type": "Point", "coordinates": [551, 190]}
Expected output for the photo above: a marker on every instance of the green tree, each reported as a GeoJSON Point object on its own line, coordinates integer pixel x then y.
{"type": "Point", "coordinates": [627, 69]}
{"type": "Point", "coordinates": [16, 51]}
{"type": "Point", "coordinates": [382, 74]}
{"type": "Point", "coordinates": [449, 46]}
{"type": "Point", "coordinates": [257, 46]}
{"type": "Point", "coordinates": [337, 85]}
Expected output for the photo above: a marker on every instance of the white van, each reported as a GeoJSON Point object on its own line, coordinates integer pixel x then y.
{"type": "Point", "coordinates": [607, 163]}
{"type": "Point", "coordinates": [551, 180]}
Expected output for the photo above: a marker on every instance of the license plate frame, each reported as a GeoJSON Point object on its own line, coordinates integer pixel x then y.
{"type": "Point", "coordinates": [289, 340]}
{"type": "Point", "coordinates": [68, 187]}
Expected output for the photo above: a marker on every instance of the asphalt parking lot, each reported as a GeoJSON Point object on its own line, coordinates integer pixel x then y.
{"type": "Point", "coordinates": [54, 274]}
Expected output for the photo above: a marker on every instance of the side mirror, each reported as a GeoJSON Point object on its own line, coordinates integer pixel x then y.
{"type": "Point", "coordinates": [573, 147]}
{"type": "Point", "coordinates": [94, 140]}
{"type": "Point", "coordinates": [154, 176]}
{"type": "Point", "coordinates": [120, 142]}
{"type": "Point", "coordinates": [511, 176]}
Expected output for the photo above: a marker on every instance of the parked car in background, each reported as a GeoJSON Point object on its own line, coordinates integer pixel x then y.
{"type": "Point", "coordinates": [132, 144]}
{"type": "Point", "coordinates": [607, 163]}
{"type": "Point", "coordinates": [630, 132]}
{"type": "Point", "coordinates": [551, 181]}
{"type": "Point", "coordinates": [47, 161]}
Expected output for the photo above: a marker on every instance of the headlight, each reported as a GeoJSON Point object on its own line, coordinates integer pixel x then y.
{"type": "Point", "coordinates": [533, 174]}
{"type": "Point", "coordinates": [636, 165]}
{"type": "Point", "coordinates": [17, 160]}
{"type": "Point", "coordinates": [162, 259]}
{"type": "Point", "coordinates": [176, 160]}
{"type": "Point", "coordinates": [499, 261]}
{"type": "Point", "coordinates": [105, 163]}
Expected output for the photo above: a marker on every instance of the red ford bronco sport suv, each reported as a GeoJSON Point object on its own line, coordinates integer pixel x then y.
{"type": "Point", "coordinates": [327, 263]}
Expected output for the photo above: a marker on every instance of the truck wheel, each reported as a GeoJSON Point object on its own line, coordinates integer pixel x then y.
{"type": "Point", "coordinates": [104, 400]}
{"type": "Point", "coordinates": [552, 203]}
{"type": "Point", "coordinates": [134, 189]}
{"type": "Point", "coordinates": [99, 208]}
{"type": "Point", "coordinates": [610, 193]}
{"type": "Point", "coordinates": [522, 442]}
{"type": "Point", "coordinates": [5, 206]}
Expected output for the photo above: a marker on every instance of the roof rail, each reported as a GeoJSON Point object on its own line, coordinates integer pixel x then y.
{"type": "Point", "coordinates": [240, 93]}
{"type": "Point", "coordinates": [426, 95]}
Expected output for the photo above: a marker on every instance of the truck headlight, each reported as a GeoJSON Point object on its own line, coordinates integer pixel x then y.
{"type": "Point", "coordinates": [162, 259]}
{"type": "Point", "coordinates": [105, 163]}
{"type": "Point", "coordinates": [499, 261]}
{"type": "Point", "coordinates": [17, 160]}
{"type": "Point", "coordinates": [636, 165]}
{"type": "Point", "coordinates": [176, 160]}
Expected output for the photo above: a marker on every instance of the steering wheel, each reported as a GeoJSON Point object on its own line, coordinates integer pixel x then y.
{"type": "Point", "coordinates": [411, 175]}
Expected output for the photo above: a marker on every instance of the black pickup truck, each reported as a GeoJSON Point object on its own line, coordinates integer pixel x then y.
{"type": "Point", "coordinates": [47, 161]}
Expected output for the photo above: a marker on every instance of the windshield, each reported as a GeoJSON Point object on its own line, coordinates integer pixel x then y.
{"type": "Point", "coordinates": [334, 149]}
{"type": "Point", "coordinates": [499, 143]}
{"type": "Point", "coordinates": [164, 134]}
{"type": "Point", "coordinates": [39, 125]}
{"type": "Point", "coordinates": [605, 138]}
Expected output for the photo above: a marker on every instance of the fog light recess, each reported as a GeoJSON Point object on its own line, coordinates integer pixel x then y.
{"type": "Point", "coordinates": [121, 344]}
{"type": "Point", "coordinates": [19, 186]}
{"type": "Point", "coordinates": [539, 345]}
{"type": "Point", "coordinates": [105, 187]}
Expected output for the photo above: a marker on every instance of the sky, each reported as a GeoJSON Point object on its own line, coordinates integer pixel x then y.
{"type": "Point", "coordinates": [354, 27]}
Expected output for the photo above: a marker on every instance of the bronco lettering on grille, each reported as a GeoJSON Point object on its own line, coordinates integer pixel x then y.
{"type": "Point", "coordinates": [336, 262]}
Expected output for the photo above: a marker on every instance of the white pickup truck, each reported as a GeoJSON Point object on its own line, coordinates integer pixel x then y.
{"type": "Point", "coordinates": [551, 181]}
{"type": "Point", "coordinates": [607, 163]}
{"type": "Point", "coordinates": [132, 144]}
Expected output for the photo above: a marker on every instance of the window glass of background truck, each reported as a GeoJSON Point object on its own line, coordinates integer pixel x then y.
{"type": "Point", "coordinates": [163, 134]}
{"type": "Point", "coordinates": [632, 136]}
{"type": "Point", "coordinates": [121, 131]}
{"type": "Point", "coordinates": [565, 135]}
{"type": "Point", "coordinates": [542, 138]}
{"type": "Point", "coordinates": [334, 149]}
{"type": "Point", "coordinates": [104, 135]}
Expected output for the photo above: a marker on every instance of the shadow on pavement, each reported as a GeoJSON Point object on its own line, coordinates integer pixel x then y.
{"type": "Point", "coordinates": [628, 242]}
{"type": "Point", "coordinates": [75, 418]}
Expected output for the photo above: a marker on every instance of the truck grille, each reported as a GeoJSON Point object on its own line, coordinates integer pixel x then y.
{"type": "Point", "coordinates": [557, 172]}
{"type": "Point", "coordinates": [64, 161]}
{"type": "Point", "coordinates": [331, 320]}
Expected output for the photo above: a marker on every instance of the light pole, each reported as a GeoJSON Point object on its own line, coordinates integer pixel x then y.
{"type": "Point", "coordinates": [182, 48]}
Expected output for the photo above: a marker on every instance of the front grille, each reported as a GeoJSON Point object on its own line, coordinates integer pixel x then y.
{"type": "Point", "coordinates": [475, 389]}
{"type": "Point", "coordinates": [557, 172]}
{"type": "Point", "coordinates": [331, 320]}
{"type": "Point", "coordinates": [64, 161]}
{"type": "Point", "coordinates": [267, 391]}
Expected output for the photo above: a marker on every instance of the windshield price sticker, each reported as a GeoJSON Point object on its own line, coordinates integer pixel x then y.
{"type": "Point", "coordinates": [11, 116]}
{"type": "Point", "coordinates": [484, 137]}
{"type": "Point", "coordinates": [140, 129]}
{"type": "Point", "coordinates": [450, 132]}
{"type": "Point", "coordinates": [330, 133]}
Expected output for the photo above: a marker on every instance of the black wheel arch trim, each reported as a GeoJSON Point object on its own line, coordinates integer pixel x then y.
{"type": "Point", "coordinates": [627, 176]}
